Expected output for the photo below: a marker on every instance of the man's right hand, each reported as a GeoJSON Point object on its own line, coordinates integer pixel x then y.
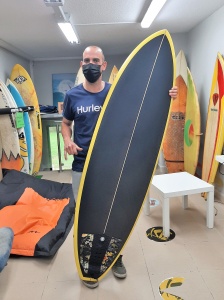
{"type": "Point", "coordinates": [71, 148]}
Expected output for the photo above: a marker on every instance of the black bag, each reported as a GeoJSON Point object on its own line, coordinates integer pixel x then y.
{"type": "Point", "coordinates": [48, 109]}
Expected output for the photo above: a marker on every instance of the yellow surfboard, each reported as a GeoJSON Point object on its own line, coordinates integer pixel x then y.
{"type": "Point", "coordinates": [214, 134]}
{"type": "Point", "coordinates": [192, 127]}
{"type": "Point", "coordinates": [79, 77]}
{"type": "Point", "coordinates": [113, 74]}
{"type": "Point", "coordinates": [21, 79]}
{"type": "Point", "coordinates": [173, 145]}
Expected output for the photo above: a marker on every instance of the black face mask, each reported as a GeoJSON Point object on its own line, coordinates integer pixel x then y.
{"type": "Point", "coordinates": [91, 72]}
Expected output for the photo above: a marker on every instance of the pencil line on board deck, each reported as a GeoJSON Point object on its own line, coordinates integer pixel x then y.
{"type": "Point", "coordinates": [132, 135]}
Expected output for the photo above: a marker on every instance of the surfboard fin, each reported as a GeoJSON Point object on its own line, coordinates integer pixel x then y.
{"type": "Point", "coordinates": [97, 252]}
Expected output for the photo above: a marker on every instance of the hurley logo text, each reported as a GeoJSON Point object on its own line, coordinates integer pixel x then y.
{"type": "Point", "coordinates": [92, 108]}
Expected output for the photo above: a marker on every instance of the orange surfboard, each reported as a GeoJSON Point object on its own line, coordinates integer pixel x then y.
{"type": "Point", "coordinates": [173, 145]}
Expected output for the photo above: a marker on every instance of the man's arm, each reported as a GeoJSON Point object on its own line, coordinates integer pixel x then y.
{"type": "Point", "coordinates": [69, 146]}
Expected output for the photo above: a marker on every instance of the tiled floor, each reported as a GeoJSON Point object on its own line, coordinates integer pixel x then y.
{"type": "Point", "coordinates": [196, 254]}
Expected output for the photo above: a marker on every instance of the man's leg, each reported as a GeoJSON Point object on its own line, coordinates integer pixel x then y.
{"type": "Point", "coordinates": [119, 269]}
{"type": "Point", "coordinates": [76, 177]}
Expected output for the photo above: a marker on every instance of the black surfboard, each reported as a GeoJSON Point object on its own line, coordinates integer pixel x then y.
{"type": "Point", "coordinates": [123, 155]}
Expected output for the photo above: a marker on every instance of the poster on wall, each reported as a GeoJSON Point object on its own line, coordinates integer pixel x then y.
{"type": "Point", "coordinates": [61, 83]}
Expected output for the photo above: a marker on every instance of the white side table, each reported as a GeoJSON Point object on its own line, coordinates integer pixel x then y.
{"type": "Point", "coordinates": [220, 158]}
{"type": "Point", "coordinates": [180, 184]}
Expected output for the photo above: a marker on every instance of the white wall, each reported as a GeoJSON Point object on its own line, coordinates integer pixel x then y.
{"type": "Point", "coordinates": [201, 46]}
{"type": "Point", "coordinates": [43, 70]}
{"type": "Point", "coordinates": [8, 60]}
{"type": "Point", "coordinates": [180, 42]}
{"type": "Point", "coordinates": [205, 41]}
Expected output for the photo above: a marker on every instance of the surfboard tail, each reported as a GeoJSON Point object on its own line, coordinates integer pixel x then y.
{"type": "Point", "coordinates": [97, 253]}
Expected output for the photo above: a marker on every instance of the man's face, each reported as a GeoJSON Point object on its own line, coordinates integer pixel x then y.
{"type": "Point", "coordinates": [93, 56]}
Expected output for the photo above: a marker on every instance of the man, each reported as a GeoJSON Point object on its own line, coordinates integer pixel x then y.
{"type": "Point", "coordinates": [82, 105]}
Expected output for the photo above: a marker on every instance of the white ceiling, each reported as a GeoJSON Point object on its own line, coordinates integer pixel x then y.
{"type": "Point", "coordinates": [29, 28]}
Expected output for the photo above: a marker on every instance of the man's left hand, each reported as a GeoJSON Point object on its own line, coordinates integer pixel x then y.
{"type": "Point", "coordinates": [173, 92]}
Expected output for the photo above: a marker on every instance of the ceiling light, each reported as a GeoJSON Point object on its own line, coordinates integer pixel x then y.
{"type": "Point", "coordinates": [63, 19]}
{"type": "Point", "coordinates": [54, 2]}
{"type": "Point", "coordinates": [152, 12]}
{"type": "Point", "coordinates": [69, 32]}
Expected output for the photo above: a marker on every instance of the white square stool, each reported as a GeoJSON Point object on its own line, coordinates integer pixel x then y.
{"type": "Point", "coordinates": [180, 184]}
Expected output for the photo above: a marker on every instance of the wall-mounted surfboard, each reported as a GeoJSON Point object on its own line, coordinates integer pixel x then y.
{"type": "Point", "coordinates": [21, 79]}
{"type": "Point", "coordinates": [192, 127]}
{"type": "Point", "coordinates": [123, 155]}
{"type": "Point", "coordinates": [113, 74]}
{"type": "Point", "coordinates": [173, 145]}
{"type": "Point", "coordinates": [27, 124]}
{"type": "Point", "coordinates": [10, 149]}
{"type": "Point", "coordinates": [214, 133]}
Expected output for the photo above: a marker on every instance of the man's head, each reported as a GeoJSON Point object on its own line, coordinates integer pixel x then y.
{"type": "Point", "coordinates": [93, 54]}
{"type": "Point", "coordinates": [93, 63]}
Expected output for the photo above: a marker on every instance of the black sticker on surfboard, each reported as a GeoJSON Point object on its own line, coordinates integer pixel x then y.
{"type": "Point", "coordinates": [97, 252]}
{"type": "Point", "coordinates": [20, 79]}
{"type": "Point", "coordinates": [170, 283]}
{"type": "Point", "coordinates": [156, 234]}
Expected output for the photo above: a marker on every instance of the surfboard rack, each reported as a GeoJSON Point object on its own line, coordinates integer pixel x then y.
{"type": "Point", "coordinates": [12, 110]}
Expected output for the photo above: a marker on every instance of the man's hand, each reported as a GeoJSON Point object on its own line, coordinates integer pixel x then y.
{"type": "Point", "coordinates": [71, 148]}
{"type": "Point", "coordinates": [173, 92]}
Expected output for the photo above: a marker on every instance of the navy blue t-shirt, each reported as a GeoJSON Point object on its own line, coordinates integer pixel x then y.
{"type": "Point", "coordinates": [83, 108]}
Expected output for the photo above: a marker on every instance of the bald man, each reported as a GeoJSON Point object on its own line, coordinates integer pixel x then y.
{"type": "Point", "coordinates": [82, 105]}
